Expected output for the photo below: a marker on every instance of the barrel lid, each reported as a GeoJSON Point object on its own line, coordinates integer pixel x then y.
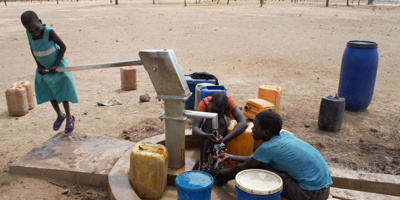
{"type": "Point", "coordinates": [194, 179]}
{"type": "Point", "coordinates": [362, 44]}
{"type": "Point", "coordinates": [258, 181]}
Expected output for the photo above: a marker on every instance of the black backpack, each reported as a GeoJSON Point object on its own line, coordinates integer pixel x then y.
{"type": "Point", "coordinates": [204, 75]}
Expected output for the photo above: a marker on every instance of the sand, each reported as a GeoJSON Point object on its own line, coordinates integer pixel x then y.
{"type": "Point", "coordinates": [298, 47]}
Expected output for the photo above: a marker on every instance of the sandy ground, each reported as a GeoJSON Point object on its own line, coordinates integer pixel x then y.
{"type": "Point", "coordinates": [298, 47]}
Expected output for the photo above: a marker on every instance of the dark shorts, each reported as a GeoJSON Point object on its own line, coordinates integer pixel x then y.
{"type": "Point", "coordinates": [293, 191]}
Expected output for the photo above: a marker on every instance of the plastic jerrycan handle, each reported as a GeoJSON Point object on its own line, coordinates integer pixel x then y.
{"type": "Point", "coordinates": [152, 147]}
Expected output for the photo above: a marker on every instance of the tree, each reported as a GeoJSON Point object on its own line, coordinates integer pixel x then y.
{"type": "Point", "coordinates": [5, 2]}
{"type": "Point", "coordinates": [370, 2]}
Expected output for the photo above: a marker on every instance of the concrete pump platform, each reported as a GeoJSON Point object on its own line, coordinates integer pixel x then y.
{"type": "Point", "coordinates": [77, 158]}
{"type": "Point", "coordinates": [100, 161]}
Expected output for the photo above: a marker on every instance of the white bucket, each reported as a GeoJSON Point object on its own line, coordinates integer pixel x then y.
{"type": "Point", "coordinates": [258, 184]}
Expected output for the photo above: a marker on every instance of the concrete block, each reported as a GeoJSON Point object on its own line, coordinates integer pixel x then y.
{"type": "Point", "coordinates": [367, 182]}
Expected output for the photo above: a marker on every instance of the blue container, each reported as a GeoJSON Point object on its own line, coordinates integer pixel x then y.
{"type": "Point", "coordinates": [358, 74]}
{"type": "Point", "coordinates": [194, 185]}
{"type": "Point", "coordinates": [192, 87]}
{"type": "Point", "coordinates": [258, 184]}
{"type": "Point", "coordinates": [209, 90]}
{"type": "Point", "coordinates": [242, 195]}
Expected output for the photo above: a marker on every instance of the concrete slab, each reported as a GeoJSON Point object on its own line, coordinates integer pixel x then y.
{"type": "Point", "coordinates": [346, 194]}
{"type": "Point", "coordinates": [77, 158]}
{"type": "Point", "coordinates": [190, 164]}
{"type": "Point", "coordinates": [367, 182]}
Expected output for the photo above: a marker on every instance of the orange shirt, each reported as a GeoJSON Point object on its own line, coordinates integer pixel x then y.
{"type": "Point", "coordinates": [204, 106]}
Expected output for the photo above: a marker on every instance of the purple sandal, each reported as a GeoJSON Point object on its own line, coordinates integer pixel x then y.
{"type": "Point", "coordinates": [70, 127]}
{"type": "Point", "coordinates": [57, 124]}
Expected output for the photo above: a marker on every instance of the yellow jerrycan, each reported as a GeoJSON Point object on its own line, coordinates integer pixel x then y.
{"type": "Point", "coordinates": [242, 145]}
{"type": "Point", "coordinates": [271, 94]}
{"type": "Point", "coordinates": [17, 101]}
{"type": "Point", "coordinates": [148, 170]}
{"type": "Point", "coordinates": [29, 92]}
{"type": "Point", "coordinates": [254, 106]}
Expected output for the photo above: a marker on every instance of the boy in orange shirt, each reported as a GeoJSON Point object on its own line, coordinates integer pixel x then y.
{"type": "Point", "coordinates": [226, 108]}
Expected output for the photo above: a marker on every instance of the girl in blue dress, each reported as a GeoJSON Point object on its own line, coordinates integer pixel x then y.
{"type": "Point", "coordinates": [48, 51]}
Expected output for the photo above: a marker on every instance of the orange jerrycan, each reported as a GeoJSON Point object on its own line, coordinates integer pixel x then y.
{"type": "Point", "coordinates": [242, 145]}
{"type": "Point", "coordinates": [271, 94]}
{"type": "Point", "coordinates": [29, 92]}
{"type": "Point", "coordinates": [254, 106]}
{"type": "Point", "coordinates": [17, 101]}
{"type": "Point", "coordinates": [148, 170]}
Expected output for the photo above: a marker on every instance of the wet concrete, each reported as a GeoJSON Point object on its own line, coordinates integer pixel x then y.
{"type": "Point", "coordinates": [77, 158]}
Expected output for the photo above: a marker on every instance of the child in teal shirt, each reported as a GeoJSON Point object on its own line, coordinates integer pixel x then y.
{"type": "Point", "coordinates": [304, 171]}
{"type": "Point", "coordinates": [48, 51]}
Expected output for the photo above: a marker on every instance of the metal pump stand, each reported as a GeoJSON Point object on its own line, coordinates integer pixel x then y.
{"type": "Point", "coordinates": [171, 86]}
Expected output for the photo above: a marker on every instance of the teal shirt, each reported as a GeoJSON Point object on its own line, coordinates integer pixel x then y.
{"type": "Point", "coordinates": [297, 158]}
{"type": "Point", "coordinates": [59, 86]}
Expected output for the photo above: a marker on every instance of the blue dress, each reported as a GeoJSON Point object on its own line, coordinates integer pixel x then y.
{"type": "Point", "coordinates": [59, 86]}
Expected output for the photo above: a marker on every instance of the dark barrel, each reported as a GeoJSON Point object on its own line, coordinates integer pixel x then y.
{"type": "Point", "coordinates": [358, 74]}
{"type": "Point", "coordinates": [331, 113]}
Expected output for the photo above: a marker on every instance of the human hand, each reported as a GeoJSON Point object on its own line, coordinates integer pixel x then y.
{"type": "Point", "coordinates": [222, 157]}
{"type": "Point", "coordinates": [53, 69]}
{"type": "Point", "coordinates": [41, 70]}
{"type": "Point", "coordinates": [214, 139]}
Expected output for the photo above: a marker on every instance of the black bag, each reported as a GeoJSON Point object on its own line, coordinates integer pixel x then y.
{"type": "Point", "coordinates": [204, 75]}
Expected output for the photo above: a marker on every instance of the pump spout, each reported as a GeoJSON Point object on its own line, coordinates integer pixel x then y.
{"type": "Point", "coordinates": [208, 115]}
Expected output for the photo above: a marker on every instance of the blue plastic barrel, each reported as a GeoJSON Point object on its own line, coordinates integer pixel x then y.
{"type": "Point", "coordinates": [209, 90]}
{"type": "Point", "coordinates": [194, 185]}
{"type": "Point", "coordinates": [358, 74]}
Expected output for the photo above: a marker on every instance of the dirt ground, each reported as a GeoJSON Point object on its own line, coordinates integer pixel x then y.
{"type": "Point", "coordinates": [298, 47]}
